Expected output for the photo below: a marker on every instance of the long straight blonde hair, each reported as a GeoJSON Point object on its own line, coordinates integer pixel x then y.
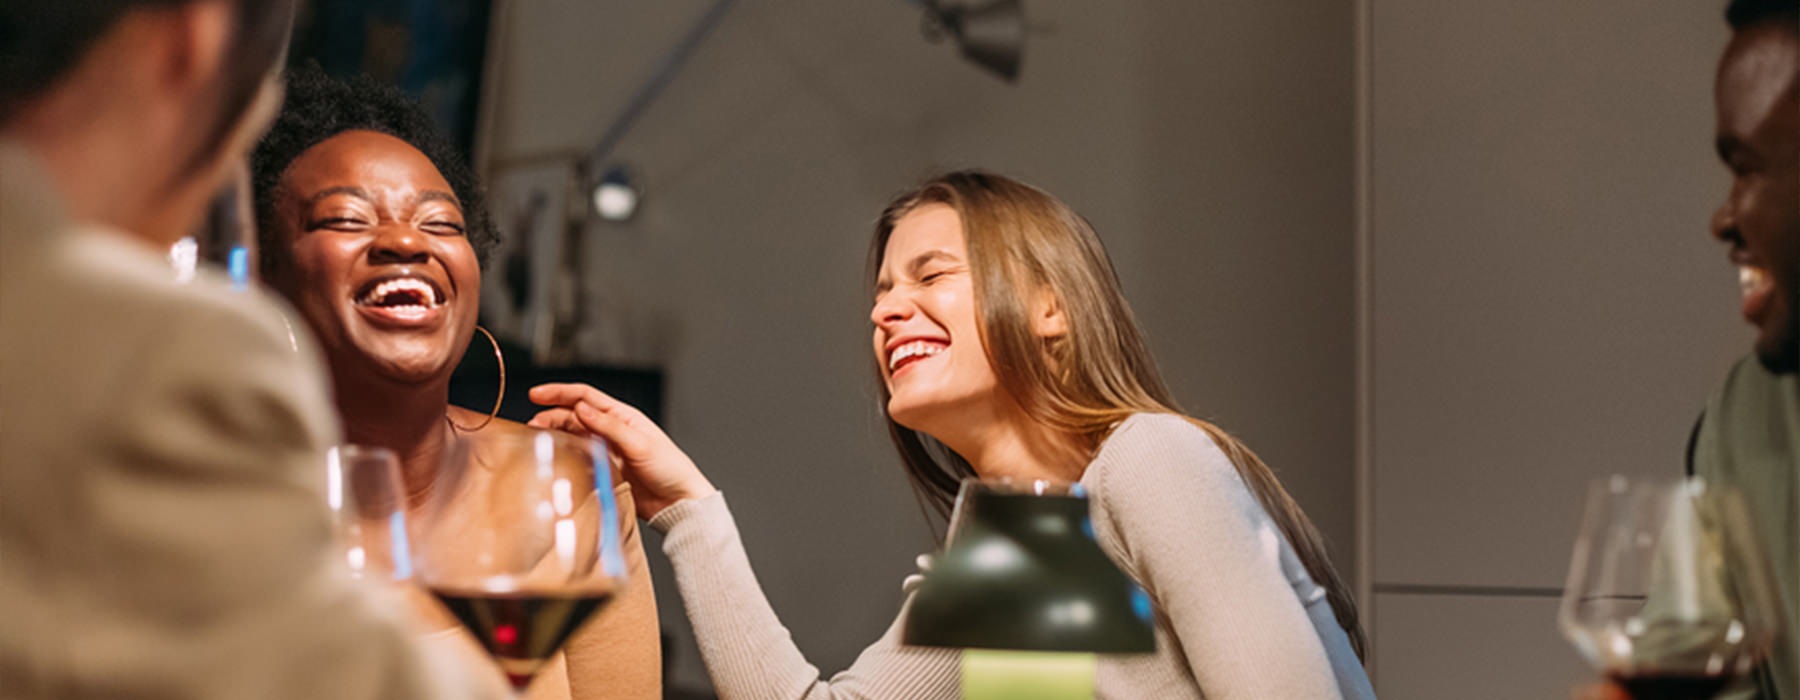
{"type": "Point", "coordinates": [1021, 240]}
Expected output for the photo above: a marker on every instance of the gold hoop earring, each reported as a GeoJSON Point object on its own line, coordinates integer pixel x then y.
{"type": "Point", "coordinates": [501, 359]}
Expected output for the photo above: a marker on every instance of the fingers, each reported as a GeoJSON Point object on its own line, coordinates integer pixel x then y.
{"type": "Point", "coordinates": [618, 430]}
{"type": "Point", "coordinates": [558, 419]}
{"type": "Point", "coordinates": [627, 433]}
{"type": "Point", "coordinates": [570, 394]}
{"type": "Point", "coordinates": [583, 419]}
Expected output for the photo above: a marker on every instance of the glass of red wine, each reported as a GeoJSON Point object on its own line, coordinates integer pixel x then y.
{"type": "Point", "coordinates": [519, 539]}
{"type": "Point", "coordinates": [1669, 593]}
{"type": "Point", "coordinates": [368, 512]}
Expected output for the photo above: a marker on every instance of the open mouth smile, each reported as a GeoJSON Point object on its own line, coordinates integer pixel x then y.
{"type": "Point", "coordinates": [401, 299]}
{"type": "Point", "coordinates": [909, 352]}
{"type": "Point", "coordinates": [1755, 288]}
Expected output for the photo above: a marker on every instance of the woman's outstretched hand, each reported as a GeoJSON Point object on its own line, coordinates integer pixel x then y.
{"type": "Point", "coordinates": [660, 474]}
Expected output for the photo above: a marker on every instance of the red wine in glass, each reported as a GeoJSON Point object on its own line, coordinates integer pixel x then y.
{"type": "Point", "coordinates": [521, 630]}
{"type": "Point", "coordinates": [1656, 685]}
{"type": "Point", "coordinates": [519, 539]}
{"type": "Point", "coordinates": [1669, 593]}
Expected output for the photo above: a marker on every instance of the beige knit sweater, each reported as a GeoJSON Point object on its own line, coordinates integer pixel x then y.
{"type": "Point", "coordinates": [1236, 614]}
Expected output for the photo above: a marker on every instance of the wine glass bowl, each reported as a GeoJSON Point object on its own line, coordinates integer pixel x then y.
{"type": "Point", "coordinates": [519, 538]}
{"type": "Point", "coordinates": [363, 491]}
{"type": "Point", "coordinates": [1669, 593]}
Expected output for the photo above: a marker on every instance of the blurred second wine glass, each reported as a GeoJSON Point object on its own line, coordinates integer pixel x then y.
{"type": "Point", "coordinates": [1669, 593]}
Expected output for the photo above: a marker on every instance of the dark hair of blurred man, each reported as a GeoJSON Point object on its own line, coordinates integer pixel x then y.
{"type": "Point", "coordinates": [139, 110]}
{"type": "Point", "coordinates": [162, 444]}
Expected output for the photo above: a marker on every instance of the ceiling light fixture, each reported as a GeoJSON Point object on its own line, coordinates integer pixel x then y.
{"type": "Point", "coordinates": [989, 34]}
{"type": "Point", "coordinates": [616, 196]}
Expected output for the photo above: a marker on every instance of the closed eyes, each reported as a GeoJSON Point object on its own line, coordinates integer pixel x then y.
{"type": "Point", "coordinates": [448, 228]}
{"type": "Point", "coordinates": [336, 223]}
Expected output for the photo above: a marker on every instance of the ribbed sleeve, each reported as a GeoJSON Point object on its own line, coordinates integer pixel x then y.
{"type": "Point", "coordinates": [750, 655]}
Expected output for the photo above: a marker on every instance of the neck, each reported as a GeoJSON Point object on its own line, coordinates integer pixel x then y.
{"type": "Point", "coordinates": [406, 418]}
{"type": "Point", "coordinates": [82, 183]}
{"type": "Point", "coordinates": [1008, 442]}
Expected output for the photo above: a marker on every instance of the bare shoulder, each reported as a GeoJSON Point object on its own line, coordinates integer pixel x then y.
{"type": "Point", "coordinates": [505, 429]}
{"type": "Point", "coordinates": [499, 427]}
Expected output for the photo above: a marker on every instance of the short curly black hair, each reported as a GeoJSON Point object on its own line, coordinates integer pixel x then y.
{"type": "Point", "coordinates": [319, 107]}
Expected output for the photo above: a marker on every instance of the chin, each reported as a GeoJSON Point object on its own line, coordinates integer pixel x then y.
{"type": "Point", "coordinates": [411, 368]}
{"type": "Point", "coordinates": [414, 374]}
{"type": "Point", "coordinates": [1780, 353]}
{"type": "Point", "coordinates": [908, 415]}
{"type": "Point", "coordinates": [1778, 343]}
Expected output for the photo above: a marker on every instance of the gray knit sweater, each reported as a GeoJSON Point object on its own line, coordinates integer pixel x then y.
{"type": "Point", "coordinates": [1237, 617]}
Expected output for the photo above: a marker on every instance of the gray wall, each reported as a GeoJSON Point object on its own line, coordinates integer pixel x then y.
{"type": "Point", "coordinates": [1209, 143]}
{"type": "Point", "coordinates": [1546, 307]}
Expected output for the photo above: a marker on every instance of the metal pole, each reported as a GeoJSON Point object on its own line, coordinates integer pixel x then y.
{"type": "Point", "coordinates": [647, 93]}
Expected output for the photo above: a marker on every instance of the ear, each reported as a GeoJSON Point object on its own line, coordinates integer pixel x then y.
{"type": "Point", "coordinates": [1047, 320]}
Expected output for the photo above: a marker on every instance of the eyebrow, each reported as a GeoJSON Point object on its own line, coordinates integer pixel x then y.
{"type": "Point", "coordinates": [360, 193]}
{"type": "Point", "coordinates": [436, 196]}
{"type": "Point", "coordinates": [921, 260]}
{"type": "Point", "coordinates": [353, 191]}
{"type": "Point", "coordinates": [916, 264]}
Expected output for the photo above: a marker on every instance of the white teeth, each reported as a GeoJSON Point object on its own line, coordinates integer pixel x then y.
{"type": "Point", "coordinates": [1752, 280]}
{"type": "Point", "coordinates": [418, 286]}
{"type": "Point", "coordinates": [923, 348]}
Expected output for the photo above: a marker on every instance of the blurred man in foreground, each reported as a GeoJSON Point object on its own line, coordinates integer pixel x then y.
{"type": "Point", "coordinates": [162, 527]}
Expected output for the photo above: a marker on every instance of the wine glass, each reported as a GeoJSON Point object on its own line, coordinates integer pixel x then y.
{"type": "Point", "coordinates": [519, 539]}
{"type": "Point", "coordinates": [1669, 593]}
{"type": "Point", "coordinates": [368, 511]}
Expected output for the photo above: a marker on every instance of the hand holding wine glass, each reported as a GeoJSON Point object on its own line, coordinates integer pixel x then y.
{"type": "Point", "coordinates": [1669, 593]}
{"type": "Point", "coordinates": [519, 539]}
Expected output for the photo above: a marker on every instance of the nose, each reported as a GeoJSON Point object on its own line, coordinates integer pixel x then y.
{"type": "Point", "coordinates": [399, 244]}
{"type": "Point", "coordinates": [891, 307]}
{"type": "Point", "coordinates": [1724, 223]}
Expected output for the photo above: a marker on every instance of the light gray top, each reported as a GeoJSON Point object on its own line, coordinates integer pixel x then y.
{"type": "Point", "coordinates": [1236, 614]}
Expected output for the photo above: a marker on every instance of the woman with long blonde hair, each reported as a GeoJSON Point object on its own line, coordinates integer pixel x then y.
{"type": "Point", "coordinates": [1006, 349]}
